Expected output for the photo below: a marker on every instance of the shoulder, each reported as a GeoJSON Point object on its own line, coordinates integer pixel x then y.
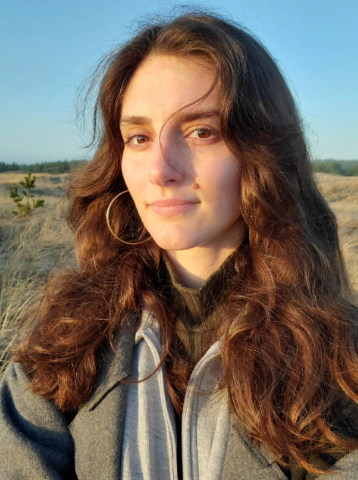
{"type": "Point", "coordinates": [17, 400]}
{"type": "Point", "coordinates": [35, 441]}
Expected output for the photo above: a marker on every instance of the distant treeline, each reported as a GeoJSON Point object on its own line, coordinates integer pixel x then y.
{"type": "Point", "coordinates": [60, 166]}
{"type": "Point", "coordinates": [347, 168]}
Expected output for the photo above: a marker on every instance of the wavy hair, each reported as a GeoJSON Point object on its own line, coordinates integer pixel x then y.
{"type": "Point", "coordinates": [289, 347]}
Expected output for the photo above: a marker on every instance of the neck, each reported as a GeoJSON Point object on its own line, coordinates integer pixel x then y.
{"type": "Point", "coordinates": [194, 266]}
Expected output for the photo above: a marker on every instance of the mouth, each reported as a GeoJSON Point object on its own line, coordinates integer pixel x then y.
{"type": "Point", "coordinates": [170, 202]}
{"type": "Point", "coordinates": [173, 206]}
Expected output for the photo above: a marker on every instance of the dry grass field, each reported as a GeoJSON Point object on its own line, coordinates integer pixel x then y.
{"type": "Point", "coordinates": [31, 247]}
{"type": "Point", "coordinates": [342, 195]}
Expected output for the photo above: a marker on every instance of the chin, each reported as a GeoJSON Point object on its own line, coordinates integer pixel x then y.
{"type": "Point", "coordinates": [172, 242]}
{"type": "Point", "coordinates": [174, 245]}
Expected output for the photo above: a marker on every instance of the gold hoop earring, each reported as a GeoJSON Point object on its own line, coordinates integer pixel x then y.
{"type": "Point", "coordinates": [110, 229]}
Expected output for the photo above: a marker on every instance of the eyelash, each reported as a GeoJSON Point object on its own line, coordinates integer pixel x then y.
{"type": "Point", "coordinates": [128, 139]}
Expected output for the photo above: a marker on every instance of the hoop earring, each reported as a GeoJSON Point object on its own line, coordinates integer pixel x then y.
{"type": "Point", "coordinates": [110, 229]}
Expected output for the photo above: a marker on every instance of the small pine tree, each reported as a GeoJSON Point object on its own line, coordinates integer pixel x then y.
{"type": "Point", "coordinates": [25, 208]}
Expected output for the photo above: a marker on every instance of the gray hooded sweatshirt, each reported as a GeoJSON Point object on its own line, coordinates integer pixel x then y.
{"type": "Point", "coordinates": [149, 434]}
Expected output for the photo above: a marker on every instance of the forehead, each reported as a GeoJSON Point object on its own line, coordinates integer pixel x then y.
{"type": "Point", "coordinates": [162, 84]}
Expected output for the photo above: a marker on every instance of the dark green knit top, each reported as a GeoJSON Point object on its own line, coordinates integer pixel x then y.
{"type": "Point", "coordinates": [199, 312]}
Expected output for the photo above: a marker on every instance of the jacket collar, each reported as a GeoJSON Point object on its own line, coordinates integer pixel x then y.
{"type": "Point", "coordinates": [116, 365]}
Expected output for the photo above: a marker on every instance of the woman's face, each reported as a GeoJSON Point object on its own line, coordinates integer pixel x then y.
{"type": "Point", "coordinates": [186, 190]}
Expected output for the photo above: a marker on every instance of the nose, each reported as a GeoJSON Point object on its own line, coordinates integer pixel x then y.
{"type": "Point", "coordinates": [163, 169]}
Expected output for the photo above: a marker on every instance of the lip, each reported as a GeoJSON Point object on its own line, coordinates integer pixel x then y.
{"type": "Point", "coordinates": [170, 202]}
{"type": "Point", "coordinates": [172, 206]}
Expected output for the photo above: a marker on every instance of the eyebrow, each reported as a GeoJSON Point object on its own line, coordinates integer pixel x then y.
{"type": "Point", "coordinates": [181, 117]}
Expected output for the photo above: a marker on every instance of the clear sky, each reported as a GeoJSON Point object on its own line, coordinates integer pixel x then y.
{"type": "Point", "coordinates": [49, 47]}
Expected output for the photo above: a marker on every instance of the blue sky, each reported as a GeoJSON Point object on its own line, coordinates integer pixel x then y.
{"type": "Point", "coordinates": [50, 47]}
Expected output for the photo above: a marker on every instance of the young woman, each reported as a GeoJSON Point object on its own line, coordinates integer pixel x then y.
{"type": "Point", "coordinates": [209, 331]}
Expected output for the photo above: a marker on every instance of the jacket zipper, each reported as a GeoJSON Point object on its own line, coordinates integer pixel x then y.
{"type": "Point", "coordinates": [153, 338]}
{"type": "Point", "coordinates": [164, 395]}
{"type": "Point", "coordinates": [188, 403]}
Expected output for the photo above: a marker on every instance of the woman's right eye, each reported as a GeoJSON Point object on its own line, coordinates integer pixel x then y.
{"type": "Point", "coordinates": [135, 141]}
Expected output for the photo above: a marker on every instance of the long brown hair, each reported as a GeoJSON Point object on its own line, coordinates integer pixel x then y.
{"type": "Point", "coordinates": [290, 348]}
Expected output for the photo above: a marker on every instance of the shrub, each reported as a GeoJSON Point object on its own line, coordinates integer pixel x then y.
{"type": "Point", "coordinates": [25, 208]}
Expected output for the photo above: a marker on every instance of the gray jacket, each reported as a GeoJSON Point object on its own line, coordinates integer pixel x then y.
{"type": "Point", "coordinates": [38, 441]}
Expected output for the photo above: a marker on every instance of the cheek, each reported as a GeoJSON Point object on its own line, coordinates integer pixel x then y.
{"type": "Point", "coordinates": [125, 170]}
{"type": "Point", "coordinates": [222, 185]}
{"type": "Point", "coordinates": [131, 178]}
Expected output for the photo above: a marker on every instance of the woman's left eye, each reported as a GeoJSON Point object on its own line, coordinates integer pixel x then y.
{"type": "Point", "coordinates": [202, 132]}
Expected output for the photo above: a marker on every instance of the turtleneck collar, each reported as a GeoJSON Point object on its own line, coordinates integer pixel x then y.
{"type": "Point", "coordinates": [198, 306]}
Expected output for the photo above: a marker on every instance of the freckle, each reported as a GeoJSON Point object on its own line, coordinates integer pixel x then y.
{"type": "Point", "coordinates": [196, 186]}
